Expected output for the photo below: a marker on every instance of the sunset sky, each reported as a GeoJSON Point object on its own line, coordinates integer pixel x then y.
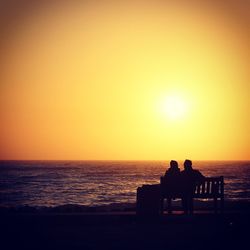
{"type": "Point", "coordinates": [125, 80]}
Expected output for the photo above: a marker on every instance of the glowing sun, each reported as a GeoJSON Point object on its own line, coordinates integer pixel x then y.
{"type": "Point", "coordinates": [174, 107]}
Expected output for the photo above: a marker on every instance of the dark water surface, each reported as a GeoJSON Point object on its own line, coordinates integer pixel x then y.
{"type": "Point", "coordinates": [91, 183]}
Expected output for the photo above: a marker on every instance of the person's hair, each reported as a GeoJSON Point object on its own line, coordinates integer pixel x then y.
{"type": "Point", "coordinates": [188, 163]}
{"type": "Point", "coordinates": [174, 163]}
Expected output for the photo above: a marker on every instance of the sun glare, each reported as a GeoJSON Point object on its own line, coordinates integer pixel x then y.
{"type": "Point", "coordinates": [174, 107]}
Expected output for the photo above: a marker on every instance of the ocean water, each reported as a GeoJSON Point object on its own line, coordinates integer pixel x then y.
{"type": "Point", "coordinates": [97, 183]}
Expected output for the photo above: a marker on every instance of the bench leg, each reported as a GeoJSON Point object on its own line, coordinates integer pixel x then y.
{"type": "Point", "coordinates": [169, 200]}
{"type": "Point", "coordinates": [161, 206]}
{"type": "Point", "coordinates": [184, 205]}
{"type": "Point", "coordinates": [222, 205]}
{"type": "Point", "coordinates": [215, 205]}
{"type": "Point", "coordinates": [191, 205]}
{"type": "Point", "coordinates": [188, 204]}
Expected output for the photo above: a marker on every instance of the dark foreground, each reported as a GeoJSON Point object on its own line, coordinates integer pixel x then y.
{"type": "Point", "coordinates": [124, 231]}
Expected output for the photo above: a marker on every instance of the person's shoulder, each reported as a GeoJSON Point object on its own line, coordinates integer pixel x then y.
{"type": "Point", "coordinates": [168, 172]}
{"type": "Point", "coordinates": [198, 173]}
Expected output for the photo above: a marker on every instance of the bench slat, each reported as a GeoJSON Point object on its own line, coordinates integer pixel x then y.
{"type": "Point", "coordinates": [198, 189]}
{"type": "Point", "coordinates": [203, 187]}
{"type": "Point", "coordinates": [208, 187]}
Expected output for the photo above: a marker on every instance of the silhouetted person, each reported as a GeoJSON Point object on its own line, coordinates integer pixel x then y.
{"type": "Point", "coordinates": [173, 170]}
{"type": "Point", "coordinates": [189, 179]}
{"type": "Point", "coordinates": [171, 187]}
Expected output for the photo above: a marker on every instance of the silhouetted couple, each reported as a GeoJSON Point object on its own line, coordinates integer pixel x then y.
{"type": "Point", "coordinates": [182, 184]}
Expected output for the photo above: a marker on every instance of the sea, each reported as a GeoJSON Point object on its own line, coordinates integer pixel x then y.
{"type": "Point", "coordinates": [101, 183]}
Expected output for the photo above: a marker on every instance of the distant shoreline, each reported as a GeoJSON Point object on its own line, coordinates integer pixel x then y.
{"type": "Point", "coordinates": [91, 160]}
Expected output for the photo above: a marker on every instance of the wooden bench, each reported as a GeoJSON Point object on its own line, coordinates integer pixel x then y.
{"type": "Point", "coordinates": [210, 188]}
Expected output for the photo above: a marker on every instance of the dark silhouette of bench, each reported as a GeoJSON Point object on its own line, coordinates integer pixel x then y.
{"type": "Point", "coordinates": [210, 188]}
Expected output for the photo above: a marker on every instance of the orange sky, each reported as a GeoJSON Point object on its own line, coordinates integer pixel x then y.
{"type": "Point", "coordinates": [138, 80]}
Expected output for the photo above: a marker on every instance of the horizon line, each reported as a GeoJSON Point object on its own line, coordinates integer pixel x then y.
{"type": "Point", "coordinates": [121, 159]}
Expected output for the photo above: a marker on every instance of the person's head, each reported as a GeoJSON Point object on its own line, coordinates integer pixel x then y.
{"type": "Point", "coordinates": [187, 165]}
{"type": "Point", "coordinates": [174, 164]}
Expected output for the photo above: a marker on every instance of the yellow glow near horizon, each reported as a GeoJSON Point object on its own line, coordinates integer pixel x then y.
{"type": "Point", "coordinates": [129, 80]}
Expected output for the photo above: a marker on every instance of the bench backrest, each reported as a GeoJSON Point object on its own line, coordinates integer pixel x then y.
{"type": "Point", "coordinates": [210, 187]}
